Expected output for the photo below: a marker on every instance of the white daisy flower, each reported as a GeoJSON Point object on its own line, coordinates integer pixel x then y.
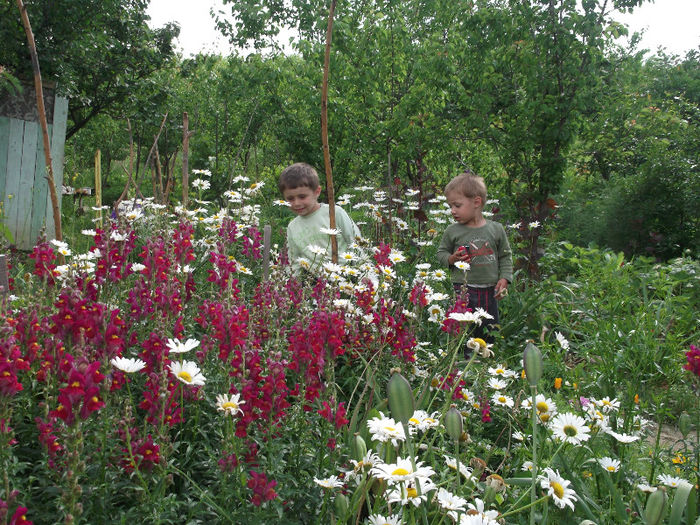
{"type": "Point", "coordinates": [330, 231]}
{"type": "Point", "coordinates": [622, 438]}
{"type": "Point", "coordinates": [316, 250]}
{"type": "Point", "coordinates": [229, 404]}
{"type": "Point", "coordinates": [449, 501]}
{"type": "Point", "coordinates": [128, 365]}
{"type": "Point", "coordinates": [609, 464]}
{"type": "Point", "coordinates": [379, 519]}
{"type": "Point", "coordinates": [177, 347]}
{"type": "Point", "coordinates": [558, 488]}
{"type": "Point", "coordinates": [464, 469]}
{"type": "Point", "coordinates": [329, 482]}
{"type": "Point", "coordinates": [407, 494]}
{"type": "Point", "coordinates": [137, 267]}
{"type": "Point", "coordinates": [385, 429]}
{"type": "Point", "coordinates": [188, 372]}
{"type": "Point", "coordinates": [497, 383]}
{"type": "Point", "coordinates": [401, 472]}
{"type": "Point", "coordinates": [423, 421]}
{"type": "Point", "coordinates": [562, 340]}
{"type": "Point", "coordinates": [570, 428]}
{"type": "Point", "coordinates": [462, 265]}
{"type": "Point", "coordinates": [501, 371]}
{"type": "Point", "coordinates": [500, 399]}
{"type": "Point", "coordinates": [671, 481]}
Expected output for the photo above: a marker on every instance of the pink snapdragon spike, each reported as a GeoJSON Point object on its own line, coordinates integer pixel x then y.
{"type": "Point", "coordinates": [693, 360]}
{"type": "Point", "coordinates": [381, 255]}
{"type": "Point", "coordinates": [20, 517]}
{"type": "Point", "coordinates": [44, 258]}
{"type": "Point", "coordinates": [337, 418]}
{"type": "Point", "coordinates": [419, 295]}
{"type": "Point", "coordinates": [263, 490]}
{"type": "Point", "coordinates": [485, 410]}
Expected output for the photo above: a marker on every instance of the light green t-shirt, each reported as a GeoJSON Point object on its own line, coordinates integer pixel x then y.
{"type": "Point", "coordinates": [305, 231]}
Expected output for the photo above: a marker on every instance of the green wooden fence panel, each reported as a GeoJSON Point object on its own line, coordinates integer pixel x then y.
{"type": "Point", "coordinates": [4, 142]}
{"type": "Point", "coordinates": [32, 132]}
{"type": "Point", "coordinates": [14, 164]}
{"type": "Point", "coordinates": [58, 140]}
{"type": "Point", "coordinates": [26, 202]}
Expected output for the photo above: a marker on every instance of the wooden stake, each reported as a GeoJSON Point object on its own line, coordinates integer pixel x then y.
{"type": "Point", "coordinates": [267, 233]}
{"type": "Point", "coordinates": [98, 185]}
{"type": "Point", "coordinates": [185, 157]}
{"type": "Point", "coordinates": [38, 87]}
{"type": "Point", "coordinates": [324, 134]}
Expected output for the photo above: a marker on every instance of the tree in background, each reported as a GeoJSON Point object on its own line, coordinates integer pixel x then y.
{"type": "Point", "coordinates": [97, 52]}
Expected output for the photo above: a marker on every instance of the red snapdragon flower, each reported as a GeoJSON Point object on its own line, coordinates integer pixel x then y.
{"type": "Point", "coordinates": [263, 490]}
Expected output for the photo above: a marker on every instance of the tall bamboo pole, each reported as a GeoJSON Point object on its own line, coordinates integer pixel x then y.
{"type": "Point", "coordinates": [98, 185]}
{"type": "Point", "coordinates": [324, 134]}
{"type": "Point", "coordinates": [38, 87]}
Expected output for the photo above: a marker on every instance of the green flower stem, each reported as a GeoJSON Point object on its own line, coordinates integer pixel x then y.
{"type": "Point", "coordinates": [533, 495]}
{"type": "Point", "coordinates": [529, 505]}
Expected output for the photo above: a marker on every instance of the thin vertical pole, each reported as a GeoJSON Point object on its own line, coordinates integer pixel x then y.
{"type": "Point", "coordinates": [98, 185]}
{"type": "Point", "coordinates": [185, 157]}
{"type": "Point", "coordinates": [324, 134]}
{"type": "Point", "coordinates": [38, 87]}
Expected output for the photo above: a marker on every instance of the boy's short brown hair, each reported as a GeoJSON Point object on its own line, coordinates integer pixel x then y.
{"type": "Point", "coordinates": [469, 185]}
{"type": "Point", "coordinates": [298, 175]}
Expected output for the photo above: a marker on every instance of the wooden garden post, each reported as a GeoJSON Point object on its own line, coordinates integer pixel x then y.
{"type": "Point", "coordinates": [185, 157]}
{"type": "Point", "coordinates": [98, 185]}
{"type": "Point", "coordinates": [42, 118]}
{"type": "Point", "coordinates": [324, 134]}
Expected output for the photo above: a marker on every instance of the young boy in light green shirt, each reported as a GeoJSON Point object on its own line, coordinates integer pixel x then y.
{"type": "Point", "coordinates": [308, 238]}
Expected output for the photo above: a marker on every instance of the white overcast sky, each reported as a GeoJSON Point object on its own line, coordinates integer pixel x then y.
{"type": "Point", "coordinates": [672, 24]}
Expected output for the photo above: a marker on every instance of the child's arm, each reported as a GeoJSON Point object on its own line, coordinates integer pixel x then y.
{"type": "Point", "coordinates": [448, 254]}
{"type": "Point", "coordinates": [505, 265]}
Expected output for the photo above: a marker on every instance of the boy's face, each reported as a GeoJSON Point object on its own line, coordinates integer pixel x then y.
{"type": "Point", "coordinates": [465, 210]}
{"type": "Point", "coordinates": [302, 200]}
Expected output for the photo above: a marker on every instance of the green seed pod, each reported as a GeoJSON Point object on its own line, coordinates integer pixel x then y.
{"type": "Point", "coordinates": [656, 507]}
{"type": "Point", "coordinates": [358, 447]}
{"type": "Point", "coordinates": [454, 424]}
{"type": "Point", "coordinates": [684, 424]}
{"type": "Point", "coordinates": [400, 396]}
{"type": "Point", "coordinates": [532, 358]}
{"type": "Point", "coordinates": [341, 505]}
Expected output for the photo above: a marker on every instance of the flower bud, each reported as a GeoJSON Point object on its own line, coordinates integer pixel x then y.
{"type": "Point", "coordinates": [400, 396]}
{"type": "Point", "coordinates": [454, 424]}
{"type": "Point", "coordinates": [341, 505]}
{"type": "Point", "coordinates": [684, 424]}
{"type": "Point", "coordinates": [656, 508]}
{"type": "Point", "coordinates": [358, 447]}
{"type": "Point", "coordinates": [532, 359]}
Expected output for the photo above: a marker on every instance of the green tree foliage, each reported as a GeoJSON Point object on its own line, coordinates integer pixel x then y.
{"type": "Point", "coordinates": [636, 187]}
{"type": "Point", "coordinates": [97, 52]}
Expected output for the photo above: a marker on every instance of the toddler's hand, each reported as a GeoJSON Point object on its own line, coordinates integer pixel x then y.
{"type": "Point", "coordinates": [501, 289]}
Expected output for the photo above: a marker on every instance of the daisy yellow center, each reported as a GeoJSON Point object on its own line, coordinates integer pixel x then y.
{"type": "Point", "coordinates": [570, 430]}
{"type": "Point", "coordinates": [185, 375]}
{"type": "Point", "coordinates": [542, 406]}
{"type": "Point", "coordinates": [390, 429]}
{"type": "Point", "coordinates": [411, 492]}
{"type": "Point", "coordinates": [501, 399]}
{"type": "Point", "coordinates": [544, 417]}
{"type": "Point", "coordinates": [400, 472]}
{"type": "Point", "coordinates": [500, 371]}
{"type": "Point", "coordinates": [611, 468]}
{"type": "Point", "coordinates": [414, 421]}
{"type": "Point", "coordinates": [230, 405]}
{"type": "Point", "coordinates": [557, 488]}
{"type": "Point", "coordinates": [481, 342]}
